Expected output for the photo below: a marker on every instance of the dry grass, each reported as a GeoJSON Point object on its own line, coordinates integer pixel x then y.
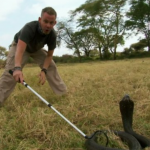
{"type": "Point", "coordinates": [92, 103]}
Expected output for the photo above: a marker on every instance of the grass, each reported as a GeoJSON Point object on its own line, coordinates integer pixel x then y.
{"type": "Point", "coordinates": [92, 103]}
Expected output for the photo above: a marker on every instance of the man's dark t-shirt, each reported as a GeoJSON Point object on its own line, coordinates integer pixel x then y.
{"type": "Point", "coordinates": [32, 35]}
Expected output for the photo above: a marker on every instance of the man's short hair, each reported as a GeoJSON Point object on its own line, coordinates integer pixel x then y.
{"type": "Point", "coordinates": [49, 10]}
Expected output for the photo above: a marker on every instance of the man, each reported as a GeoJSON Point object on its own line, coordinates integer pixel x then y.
{"type": "Point", "coordinates": [28, 42]}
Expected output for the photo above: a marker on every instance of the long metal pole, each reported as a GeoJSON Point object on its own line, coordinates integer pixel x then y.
{"type": "Point", "coordinates": [48, 104]}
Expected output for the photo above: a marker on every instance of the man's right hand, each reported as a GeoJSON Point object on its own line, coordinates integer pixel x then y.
{"type": "Point", "coordinates": [18, 76]}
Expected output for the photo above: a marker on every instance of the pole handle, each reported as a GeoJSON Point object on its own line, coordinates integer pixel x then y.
{"type": "Point", "coordinates": [11, 72]}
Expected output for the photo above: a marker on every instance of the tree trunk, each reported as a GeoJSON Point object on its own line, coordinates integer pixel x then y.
{"type": "Point", "coordinates": [78, 53]}
{"type": "Point", "coordinates": [100, 53]}
{"type": "Point", "coordinates": [115, 53]}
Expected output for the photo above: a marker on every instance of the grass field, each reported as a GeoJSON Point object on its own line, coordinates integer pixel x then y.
{"type": "Point", "coordinates": [92, 103]}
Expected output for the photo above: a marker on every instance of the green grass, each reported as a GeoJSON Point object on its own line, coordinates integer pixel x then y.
{"type": "Point", "coordinates": [92, 103]}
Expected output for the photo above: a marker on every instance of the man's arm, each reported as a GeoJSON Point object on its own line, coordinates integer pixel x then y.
{"type": "Point", "coordinates": [21, 46]}
{"type": "Point", "coordinates": [46, 64]}
{"type": "Point", "coordinates": [48, 59]}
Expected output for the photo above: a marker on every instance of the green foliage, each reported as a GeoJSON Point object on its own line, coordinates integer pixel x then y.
{"type": "Point", "coordinates": [134, 54]}
{"type": "Point", "coordinates": [139, 17]}
{"type": "Point", "coordinates": [138, 46]}
{"type": "Point", "coordinates": [106, 55]}
{"type": "Point", "coordinates": [71, 59]}
{"type": "Point", "coordinates": [138, 14]}
{"type": "Point", "coordinates": [100, 24]}
{"type": "Point", "coordinates": [65, 59]}
{"type": "Point", "coordinates": [66, 35]}
{"type": "Point", "coordinates": [94, 53]}
{"type": "Point", "coordinates": [106, 20]}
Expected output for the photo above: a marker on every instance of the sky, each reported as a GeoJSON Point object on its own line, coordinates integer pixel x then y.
{"type": "Point", "coordinates": [15, 14]}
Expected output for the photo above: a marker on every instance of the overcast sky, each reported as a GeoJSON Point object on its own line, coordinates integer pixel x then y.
{"type": "Point", "coordinates": [15, 13]}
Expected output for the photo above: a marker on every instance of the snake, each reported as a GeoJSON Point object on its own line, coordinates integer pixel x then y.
{"type": "Point", "coordinates": [134, 140]}
{"type": "Point", "coordinates": [126, 109]}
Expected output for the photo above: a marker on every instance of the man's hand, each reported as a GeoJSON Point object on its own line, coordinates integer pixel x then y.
{"type": "Point", "coordinates": [42, 77]}
{"type": "Point", "coordinates": [18, 76]}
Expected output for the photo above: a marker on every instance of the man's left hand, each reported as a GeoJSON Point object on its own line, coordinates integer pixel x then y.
{"type": "Point", "coordinates": [42, 77]}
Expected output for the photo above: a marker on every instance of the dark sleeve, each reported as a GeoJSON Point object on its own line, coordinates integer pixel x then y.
{"type": "Point", "coordinates": [26, 34]}
{"type": "Point", "coordinates": [52, 41]}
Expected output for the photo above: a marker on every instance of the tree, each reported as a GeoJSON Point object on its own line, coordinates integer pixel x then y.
{"type": "Point", "coordinates": [139, 45]}
{"type": "Point", "coordinates": [85, 40]}
{"type": "Point", "coordinates": [118, 23]}
{"type": "Point", "coordinates": [106, 18]}
{"type": "Point", "coordinates": [66, 34]}
{"type": "Point", "coordinates": [139, 18]}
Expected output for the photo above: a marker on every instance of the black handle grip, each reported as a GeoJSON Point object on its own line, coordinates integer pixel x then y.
{"type": "Point", "coordinates": [11, 72]}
